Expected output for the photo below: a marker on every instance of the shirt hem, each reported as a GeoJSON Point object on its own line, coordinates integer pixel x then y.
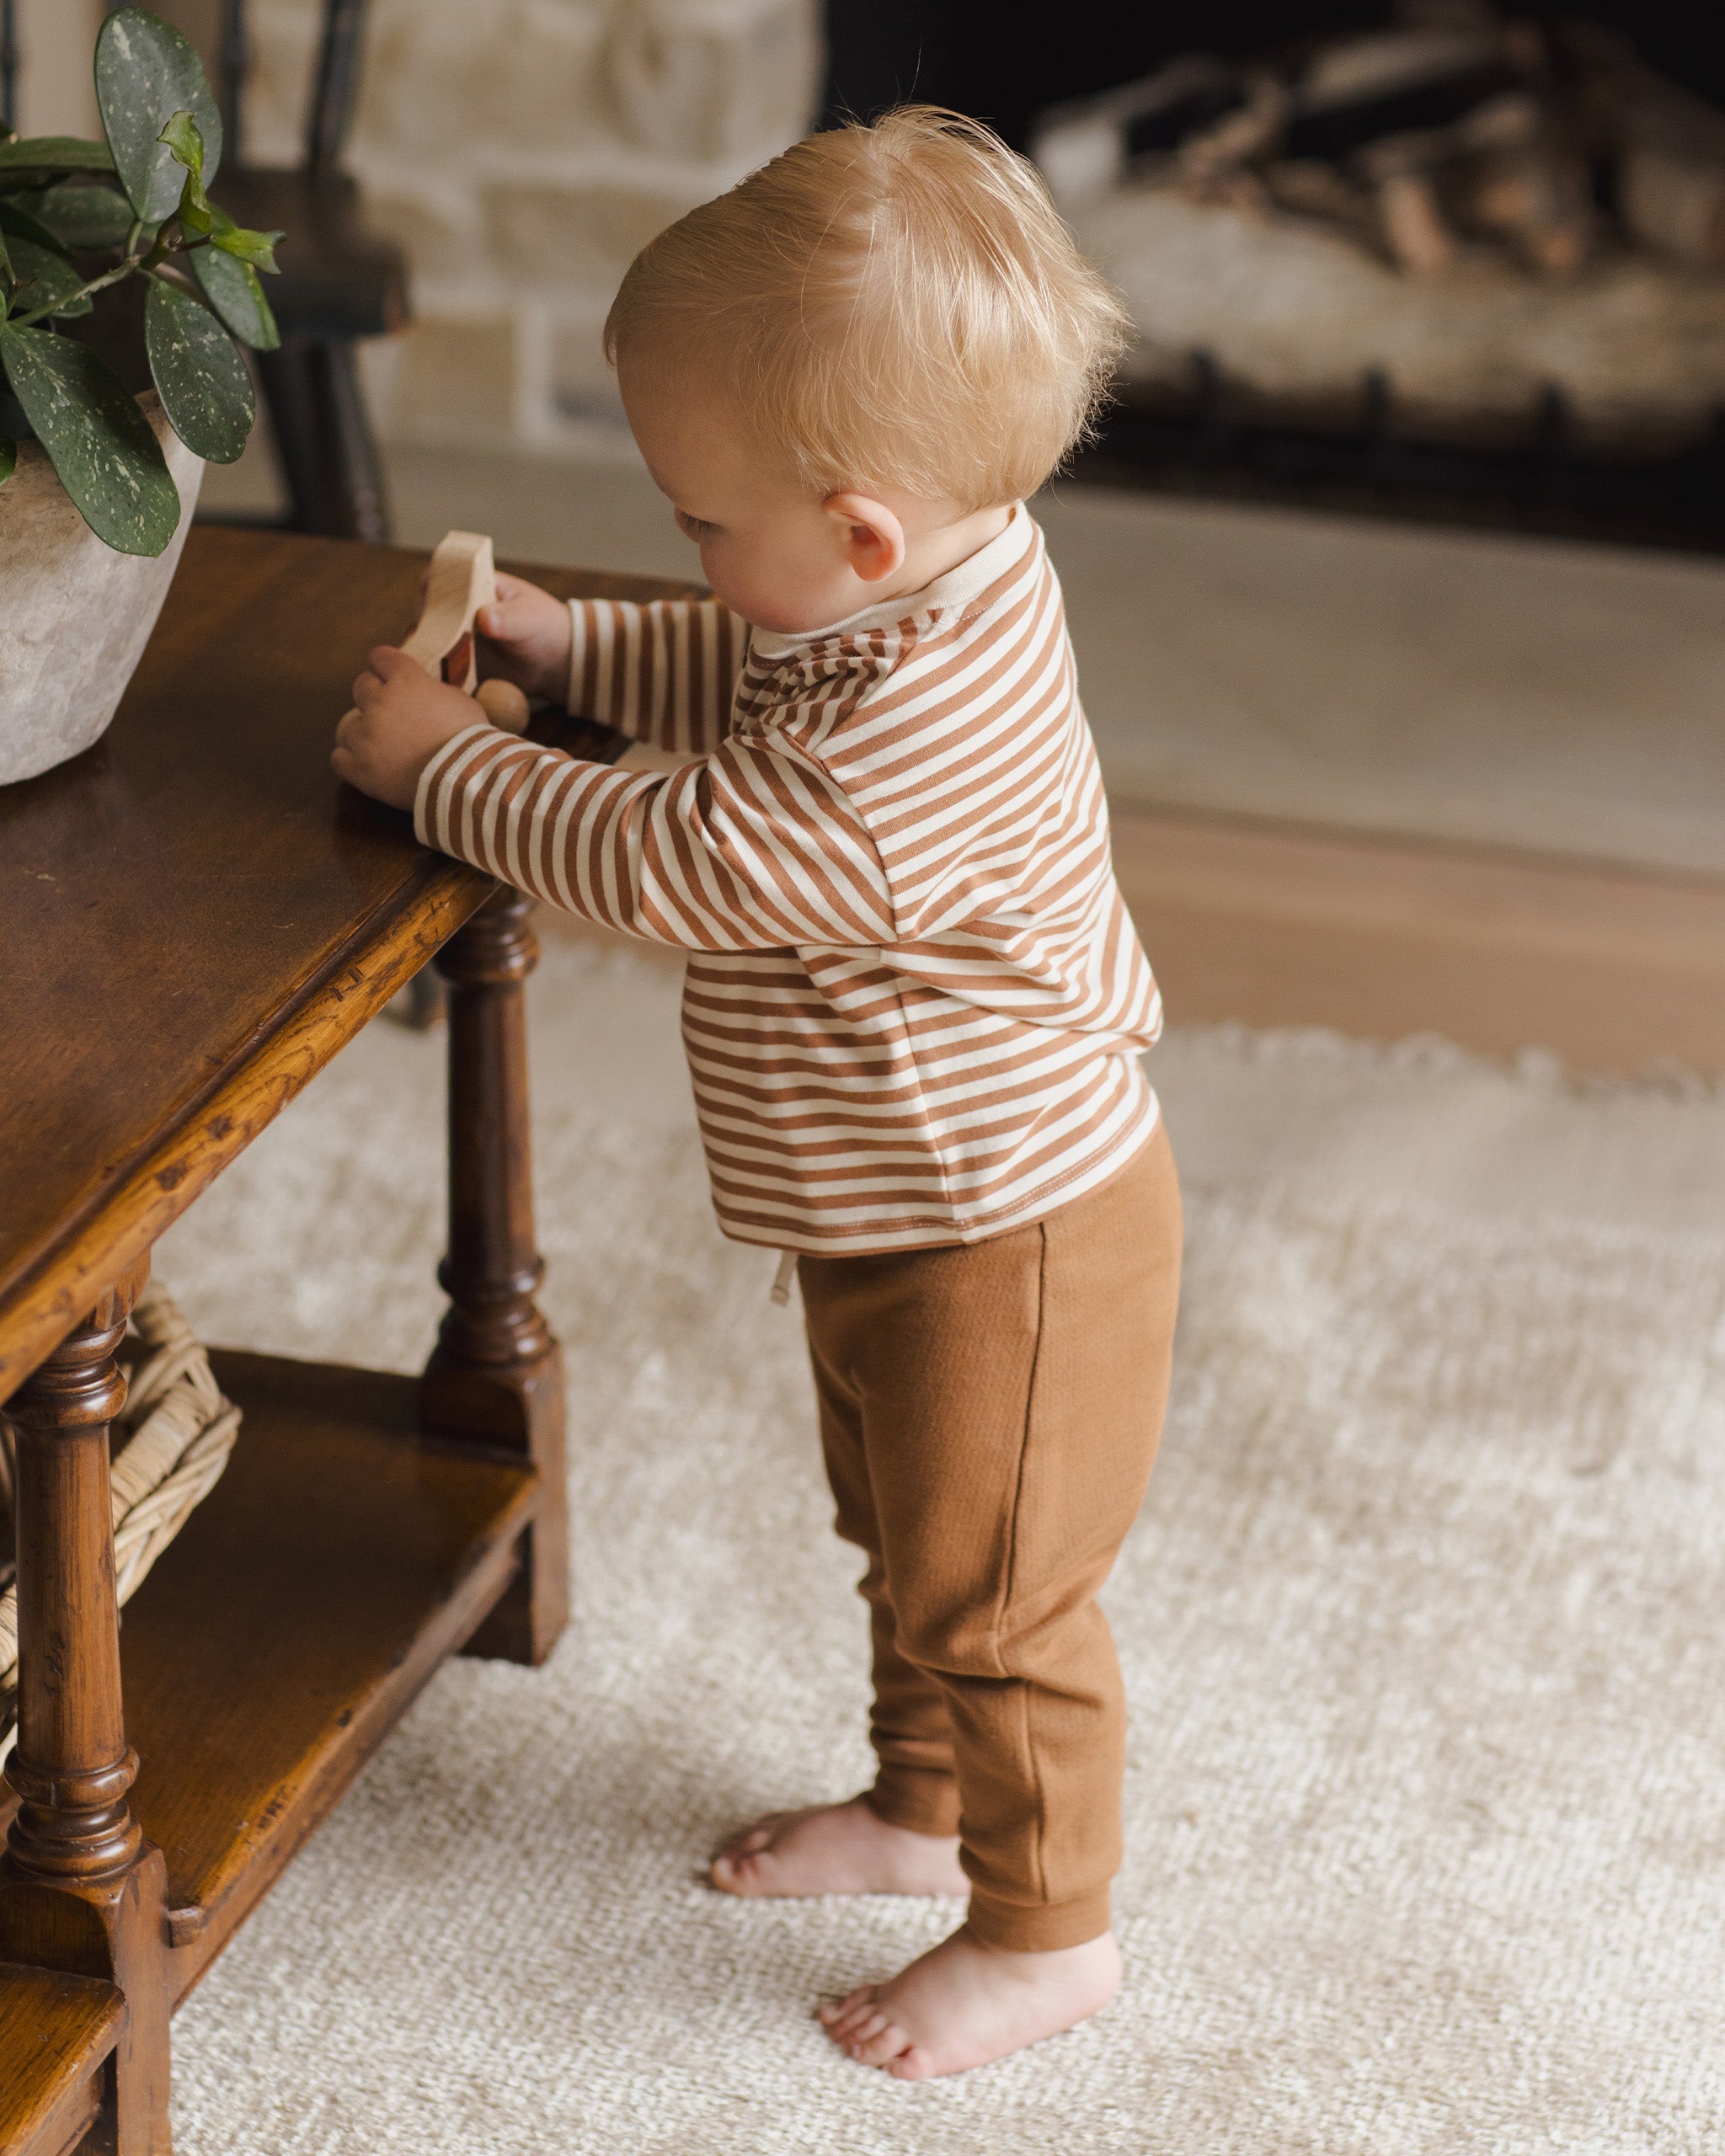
{"type": "Point", "coordinates": [860, 1242]}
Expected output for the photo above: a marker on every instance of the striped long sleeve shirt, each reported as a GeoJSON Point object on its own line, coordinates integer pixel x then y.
{"type": "Point", "coordinates": [915, 1001]}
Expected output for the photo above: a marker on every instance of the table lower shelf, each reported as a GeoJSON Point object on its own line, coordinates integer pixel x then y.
{"type": "Point", "coordinates": [58, 2031]}
{"type": "Point", "coordinates": [338, 1562]}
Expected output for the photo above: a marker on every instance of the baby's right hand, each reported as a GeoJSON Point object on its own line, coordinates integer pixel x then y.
{"type": "Point", "coordinates": [524, 638]}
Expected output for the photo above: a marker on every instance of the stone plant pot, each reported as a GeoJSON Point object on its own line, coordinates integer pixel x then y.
{"type": "Point", "coordinates": [75, 616]}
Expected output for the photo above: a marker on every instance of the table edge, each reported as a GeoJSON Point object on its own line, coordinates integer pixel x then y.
{"type": "Point", "coordinates": [51, 1287]}
{"type": "Point", "coordinates": [121, 1222]}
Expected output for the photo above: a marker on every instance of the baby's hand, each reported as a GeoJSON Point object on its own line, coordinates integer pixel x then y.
{"type": "Point", "coordinates": [524, 638]}
{"type": "Point", "coordinates": [404, 717]}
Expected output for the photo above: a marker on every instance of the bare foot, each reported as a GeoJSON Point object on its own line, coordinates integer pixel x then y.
{"type": "Point", "coordinates": [964, 2003]}
{"type": "Point", "coordinates": [837, 1849]}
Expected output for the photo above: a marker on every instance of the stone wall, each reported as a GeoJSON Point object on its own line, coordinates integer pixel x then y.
{"type": "Point", "coordinates": [56, 95]}
{"type": "Point", "coordinates": [521, 152]}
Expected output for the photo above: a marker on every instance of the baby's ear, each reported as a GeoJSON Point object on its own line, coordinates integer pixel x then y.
{"type": "Point", "coordinates": [874, 538]}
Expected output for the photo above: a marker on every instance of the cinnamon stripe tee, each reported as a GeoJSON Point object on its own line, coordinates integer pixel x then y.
{"type": "Point", "coordinates": [915, 1001]}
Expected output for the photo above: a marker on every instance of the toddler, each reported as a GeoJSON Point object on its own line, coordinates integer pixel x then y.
{"type": "Point", "coordinates": [914, 1002]}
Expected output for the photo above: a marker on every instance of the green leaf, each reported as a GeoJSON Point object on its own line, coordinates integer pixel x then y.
{"type": "Point", "coordinates": [21, 225]}
{"type": "Point", "coordinates": [187, 145]}
{"type": "Point", "coordinates": [258, 248]}
{"type": "Point", "coordinates": [84, 220]}
{"type": "Point", "coordinates": [234, 290]}
{"type": "Point", "coordinates": [182, 137]}
{"type": "Point", "coordinates": [199, 375]}
{"type": "Point", "coordinates": [147, 73]}
{"type": "Point", "coordinates": [96, 439]}
{"type": "Point", "coordinates": [8, 460]}
{"type": "Point", "coordinates": [54, 153]}
{"type": "Point", "coordinates": [42, 276]}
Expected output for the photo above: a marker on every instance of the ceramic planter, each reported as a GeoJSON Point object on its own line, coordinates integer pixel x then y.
{"type": "Point", "coordinates": [74, 615]}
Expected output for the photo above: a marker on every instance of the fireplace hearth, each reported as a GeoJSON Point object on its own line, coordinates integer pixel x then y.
{"type": "Point", "coordinates": [1487, 290]}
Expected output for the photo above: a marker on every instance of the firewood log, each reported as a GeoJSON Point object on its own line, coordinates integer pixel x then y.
{"type": "Point", "coordinates": [1413, 221]}
{"type": "Point", "coordinates": [1673, 205]}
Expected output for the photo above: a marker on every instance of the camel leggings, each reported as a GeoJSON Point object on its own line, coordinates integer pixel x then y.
{"type": "Point", "coordinates": [988, 1412]}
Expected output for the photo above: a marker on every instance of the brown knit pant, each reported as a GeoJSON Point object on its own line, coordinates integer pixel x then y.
{"type": "Point", "coordinates": [989, 1414]}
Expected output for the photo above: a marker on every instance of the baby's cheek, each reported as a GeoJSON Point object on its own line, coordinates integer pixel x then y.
{"type": "Point", "coordinates": [733, 576]}
{"type": "Point", "coordinates": [789, 589]}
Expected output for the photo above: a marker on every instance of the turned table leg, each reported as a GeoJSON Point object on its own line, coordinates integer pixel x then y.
{"type": "Point", "coordinates": [80, 1889]}
{"type": "Point", "coordinates": [496, 1376]}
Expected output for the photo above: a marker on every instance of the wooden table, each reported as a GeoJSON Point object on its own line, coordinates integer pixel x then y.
{"type": "Point", "coordinates": [193, 919]}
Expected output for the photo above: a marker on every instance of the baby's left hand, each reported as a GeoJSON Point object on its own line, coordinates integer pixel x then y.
{"type": "Point", "coordinates": [403, 718]}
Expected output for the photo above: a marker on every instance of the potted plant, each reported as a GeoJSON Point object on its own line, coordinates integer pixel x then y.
{"type": "Point", "coordinates": [97, 486]}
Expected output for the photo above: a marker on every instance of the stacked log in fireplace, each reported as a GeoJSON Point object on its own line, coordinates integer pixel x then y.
{"type": "Point", "coordinates": [1454, 261]}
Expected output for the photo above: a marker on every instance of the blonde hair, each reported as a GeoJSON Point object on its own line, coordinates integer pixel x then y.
{"type": "Point", "coordinates": [893, 305]}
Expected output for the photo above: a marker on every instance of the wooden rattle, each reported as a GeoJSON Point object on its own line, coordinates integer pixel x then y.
{"type": "Point", "coordinates": [504, 705]}
{"type": "Point", "coordinates": [462, 578]}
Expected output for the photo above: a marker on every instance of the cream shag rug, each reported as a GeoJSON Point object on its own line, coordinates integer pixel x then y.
{"type": "Point", "coordinates": [1422, 1628]}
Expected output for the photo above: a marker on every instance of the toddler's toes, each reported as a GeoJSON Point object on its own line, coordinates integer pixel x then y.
{"type": "Point", "coordinates": [737, 1872]}
{"type": "Point", "coordinates": [843, 2017]}
{"type": "Point", "coordinates": [913, 2065]}
{"type": "Point", "coordinates": [879, 2043]}
{"type": "Point", "coordinates": [752, 1839]}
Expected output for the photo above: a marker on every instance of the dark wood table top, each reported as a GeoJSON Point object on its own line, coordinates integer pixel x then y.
{"type": "Point", "coordinates": [195, 914]}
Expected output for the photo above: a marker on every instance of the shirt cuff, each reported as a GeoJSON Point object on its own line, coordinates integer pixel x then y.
{"type": "Point", "coordinates": [433, 773]}
{"type": "Point", "coordinates": [578, 657]}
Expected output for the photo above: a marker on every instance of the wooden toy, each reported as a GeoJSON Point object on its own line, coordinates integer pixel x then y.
{"type": "Point", "coordinates": [504, 705]}
{"type": "Point", "coordinates": [462, 577]}
{"type": "Point", "coordinates": [462, 580]}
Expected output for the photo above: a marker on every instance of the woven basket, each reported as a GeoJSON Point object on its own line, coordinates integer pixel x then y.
{"type": "Point", "coordinates": [179, 1431]}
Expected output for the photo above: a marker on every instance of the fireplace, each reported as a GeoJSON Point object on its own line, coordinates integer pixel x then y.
{"type": "Point", "coordinates": [1346, 427]}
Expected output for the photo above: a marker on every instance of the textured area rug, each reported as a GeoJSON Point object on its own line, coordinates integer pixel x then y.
{"type": "Point", "coordinates": [1426, 1804]}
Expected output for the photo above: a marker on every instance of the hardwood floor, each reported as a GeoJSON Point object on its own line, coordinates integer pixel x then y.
{"type": "Point", "coordinates": [1280, 924]}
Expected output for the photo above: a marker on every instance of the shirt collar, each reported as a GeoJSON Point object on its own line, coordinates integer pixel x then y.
{"type": "Point", "coordinates": [948, 593]}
